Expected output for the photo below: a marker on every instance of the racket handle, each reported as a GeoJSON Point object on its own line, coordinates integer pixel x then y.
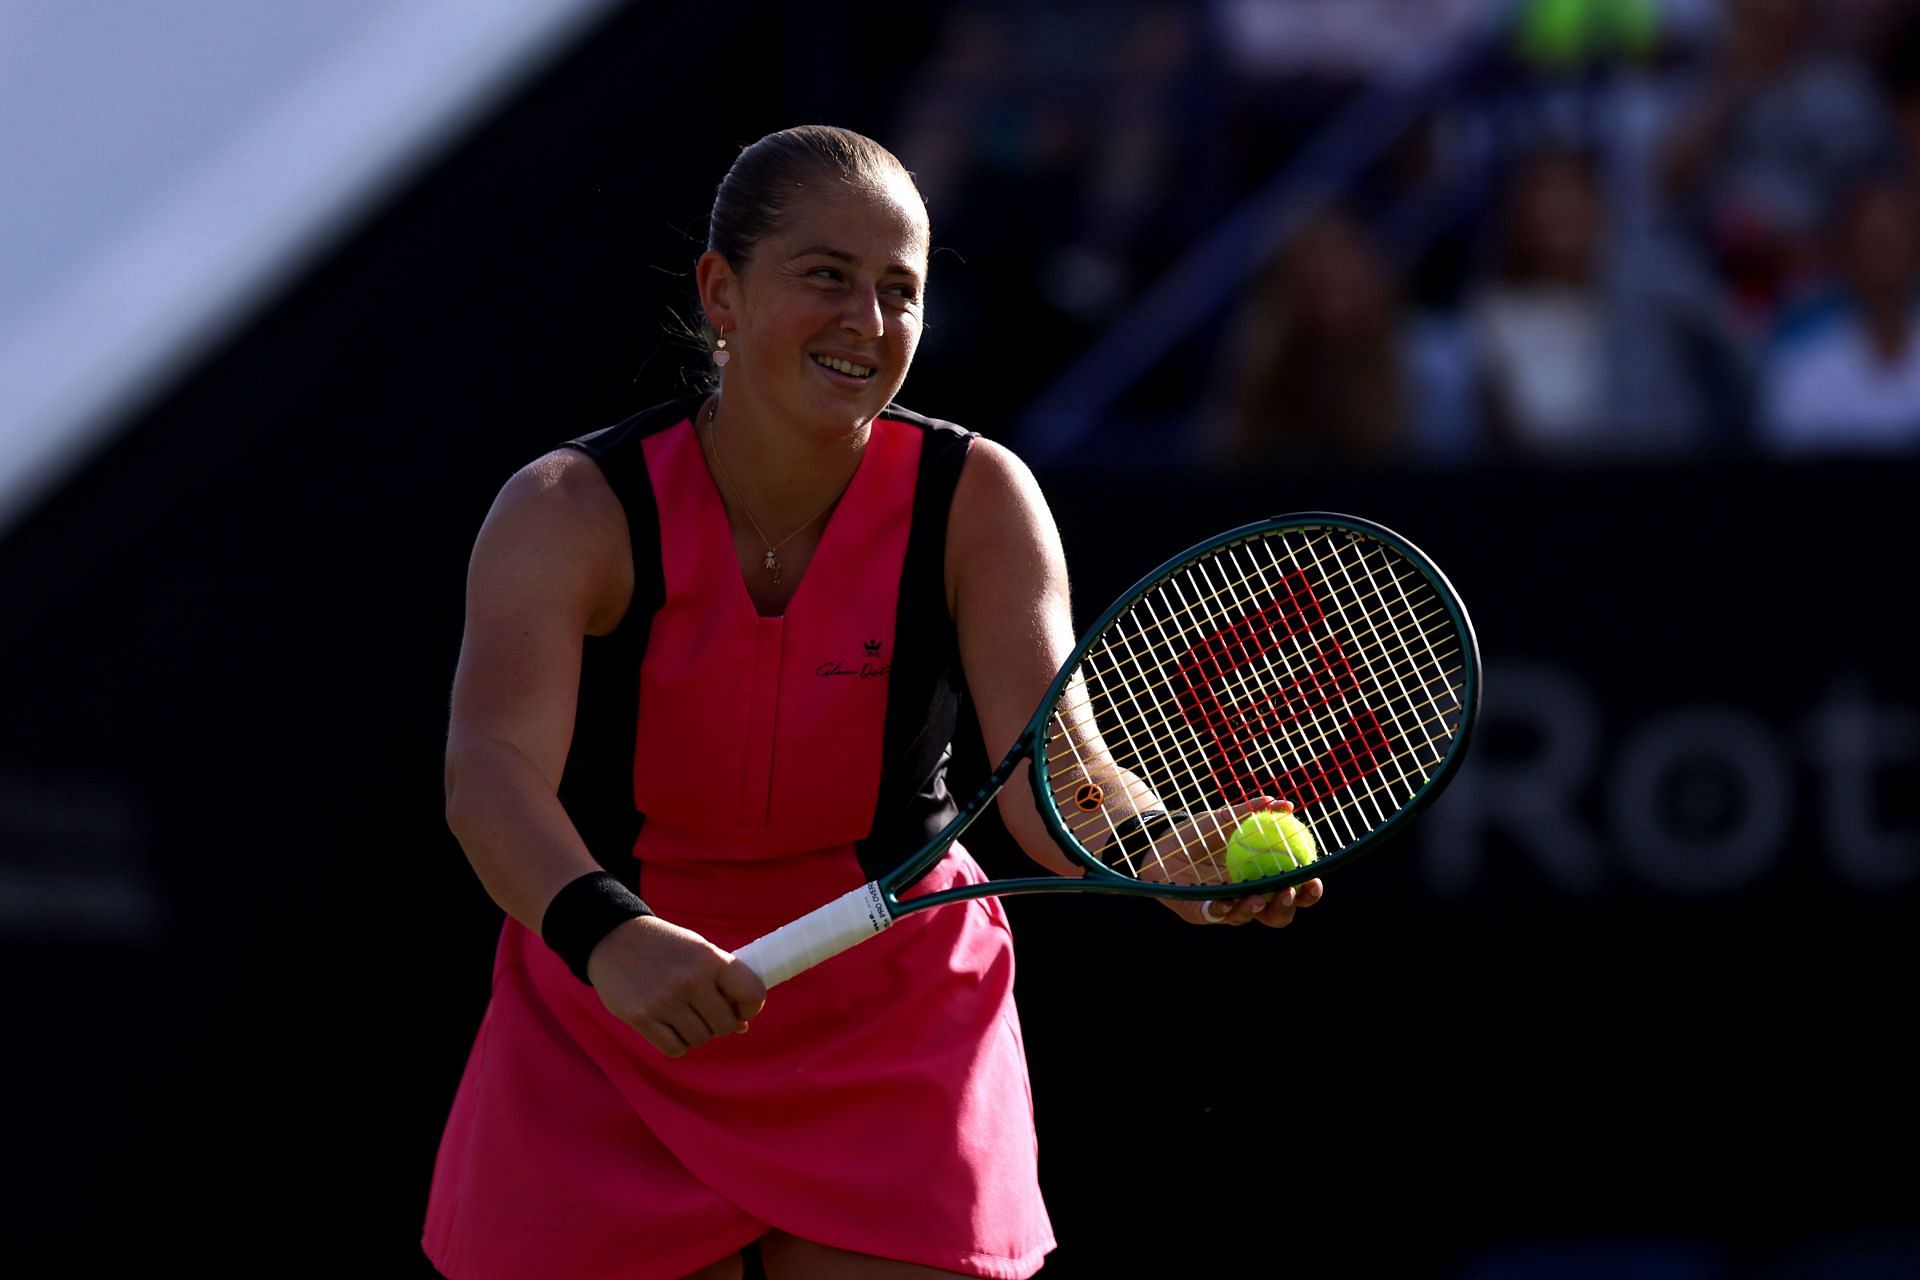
{"type": "Point", "coordinates": [819, 935]}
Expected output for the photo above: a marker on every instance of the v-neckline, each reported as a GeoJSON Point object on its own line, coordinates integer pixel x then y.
{"type": "Point", "coordinates": [718, 503]}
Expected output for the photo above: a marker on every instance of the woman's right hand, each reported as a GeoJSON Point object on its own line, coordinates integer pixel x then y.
{"type": "Point", "coordinates": [672, 985]}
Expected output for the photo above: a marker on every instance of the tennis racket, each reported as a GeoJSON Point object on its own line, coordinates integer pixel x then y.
{"type": "Point", "coordinates": [1318, 659]}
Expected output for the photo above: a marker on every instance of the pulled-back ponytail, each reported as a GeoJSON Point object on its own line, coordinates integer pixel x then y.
{"type": "Point", "coordinates": [760, 187]}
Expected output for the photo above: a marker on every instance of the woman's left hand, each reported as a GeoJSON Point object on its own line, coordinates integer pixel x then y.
{"type": "Point", "coordinates": [1177, 863]}
{"type": "Point", "coordinates": [1275, 910]}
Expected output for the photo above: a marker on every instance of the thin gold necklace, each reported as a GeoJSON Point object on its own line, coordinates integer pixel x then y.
{"type": "Point", "coordinates": [726, 479]}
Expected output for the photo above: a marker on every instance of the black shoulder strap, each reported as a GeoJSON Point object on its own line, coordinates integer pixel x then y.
{"type": "Point", "coordinates": [925, 684]}
{"type": "Point", "coordinates": [596, 788]}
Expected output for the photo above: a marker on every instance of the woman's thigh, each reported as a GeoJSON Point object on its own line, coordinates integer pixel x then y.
{"type": "Point", "coordinates": [730, 1267]}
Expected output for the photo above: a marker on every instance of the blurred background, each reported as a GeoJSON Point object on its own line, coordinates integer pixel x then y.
{"type": "Point", "coordinates": [1608, 304]}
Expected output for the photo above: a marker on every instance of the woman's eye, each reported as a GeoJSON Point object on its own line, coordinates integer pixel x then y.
{"type": "Point", "coordinates": [827, 273]}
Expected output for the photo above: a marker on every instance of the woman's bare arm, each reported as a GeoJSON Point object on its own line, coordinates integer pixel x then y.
{"type": "Point", "coordinates": [552, 564]}
{"type": "Point", "coordinates": [1007, 581]}
{"type": "Point", "coordinates": [1007, 587]}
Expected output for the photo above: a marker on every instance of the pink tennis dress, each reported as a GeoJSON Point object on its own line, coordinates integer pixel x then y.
{"type": "Point", "coordinates": [740, 771]}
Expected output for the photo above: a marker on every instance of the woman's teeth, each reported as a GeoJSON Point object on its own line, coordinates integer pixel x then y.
{"type": "Point", "coordinates": [847, 367]}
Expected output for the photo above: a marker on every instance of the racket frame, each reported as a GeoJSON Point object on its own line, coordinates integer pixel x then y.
{"type": "Point", "coordinates": [1097, 877]}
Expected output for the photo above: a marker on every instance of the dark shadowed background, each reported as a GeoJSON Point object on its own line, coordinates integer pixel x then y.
{"type": "Point", "coordinates": [1608, 306]}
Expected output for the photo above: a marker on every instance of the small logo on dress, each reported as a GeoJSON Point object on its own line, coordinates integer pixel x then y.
{"type": "Point", "coordinates": [870, 668]}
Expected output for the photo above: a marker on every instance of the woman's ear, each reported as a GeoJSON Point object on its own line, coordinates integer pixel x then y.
{"type": "Point", "coordinates": [719, 290]}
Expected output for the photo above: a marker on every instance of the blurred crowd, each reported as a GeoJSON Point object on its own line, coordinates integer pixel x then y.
{"type": "Point", "coordinates": [1611, 230]}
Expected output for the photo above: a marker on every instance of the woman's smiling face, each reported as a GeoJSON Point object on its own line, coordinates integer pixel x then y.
{"type": "Point", "coordinates": [825, 318]}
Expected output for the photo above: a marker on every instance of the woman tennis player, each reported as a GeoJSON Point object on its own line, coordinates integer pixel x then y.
{"type": "Point", "coordinates": [712, 657]}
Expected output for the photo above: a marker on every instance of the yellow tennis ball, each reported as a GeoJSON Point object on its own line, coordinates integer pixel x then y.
{"type": "Point", "coordinates": [1268, 843]}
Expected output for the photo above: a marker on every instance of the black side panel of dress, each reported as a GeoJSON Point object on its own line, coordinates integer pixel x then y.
{"type": "Point", "coordinates": [925, 685]}
{"type": "Point", "coordinates": [596, 788]}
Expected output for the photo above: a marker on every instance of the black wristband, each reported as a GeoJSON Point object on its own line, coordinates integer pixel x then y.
{"type": "Point", "coordinates": [1143, 830]}
{"type": "Point", "coordinates": [585, 911]}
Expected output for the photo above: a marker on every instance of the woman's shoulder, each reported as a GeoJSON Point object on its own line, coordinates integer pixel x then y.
{"type": "Point", "coordinates": [556, 533]}
{"type": "Point", "coordinates": [938, 432]}
{"type": "Point", "coordinates": [986, 473]}
{"type": "Point", "coordinates": [585, 487]}
{"type": "Point", "coordinates": [561, 498]}
{"type": "Point", "coordinates": [600, 477]}
{"type": "Point", "coordinates": [996, 496]}
{"type": "Point", "coordinates": [623, 438]}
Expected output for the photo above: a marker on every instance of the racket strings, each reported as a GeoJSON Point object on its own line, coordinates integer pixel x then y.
{"type": "Point", "coordinates": [1339, 601]}
{"type": "Point", "coordinates": [1435, 731]}
{"type": "Point", "coordinates": [1126, 696]}
{"type": "Point", "coordinates": [1209, 620]}
{"type": "Point", "coordinates": [1166, 673]}
{"type": "Point", "coordinates": [1134, 704]}
{"type": "Point", "coordinates": [1184, 764]}
{"type": "Point", "coordinates": [1379, 696]}
{"type": "Point", "coordinates": [1131, 690]}
{"type": "Point", "coordinates": [1413, 686]}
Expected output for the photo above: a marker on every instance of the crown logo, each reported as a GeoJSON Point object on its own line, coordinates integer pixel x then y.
{"type": "Point", "coordinates": [873, 648]}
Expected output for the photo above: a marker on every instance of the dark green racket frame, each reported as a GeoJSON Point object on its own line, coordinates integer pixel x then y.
{"type": "Point", "coordinates": [1098, 877]}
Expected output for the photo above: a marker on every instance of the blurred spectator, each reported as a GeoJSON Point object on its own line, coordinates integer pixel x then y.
{"type": "Point", "coordinates": [1151, 98]}
{"type": "Point", "coordinates": [1285, 66]}
{"type": "Point", "coordinates": [1782, 126]}
{"type": "Point", "coordinates": [1901, 72]}
{"type": "Point", "coordinates": [1055, 146]}
{"type": "Point", "coordinates": [1866, 28]}
{"type": "Point", "coordinates": [1583, 355]}
{"type": "Point", "coordinates": [1588, 352]}
{"type": "Point", "coordinates": [1539, 328]}
{"type": "Point", "coordinates": [1566, 34]}
{"type": "Point", "coordinates": [1850, 381]}
{"type": "Point", "coordinates": [962, 103]}
{"type": "Point", "coordinates": [1327, 367]}
{"type": "Point", "coordinates": [1346, 40]}
{"type": "Point", "coordinates": [994, 150]}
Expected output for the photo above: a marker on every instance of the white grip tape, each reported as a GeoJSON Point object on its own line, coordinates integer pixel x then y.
{"type": "Point", "coordinates": [818, 935]}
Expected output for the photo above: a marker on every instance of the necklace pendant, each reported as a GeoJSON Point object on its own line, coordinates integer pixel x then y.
{"type": "Point", "coordinates": [773, 565]}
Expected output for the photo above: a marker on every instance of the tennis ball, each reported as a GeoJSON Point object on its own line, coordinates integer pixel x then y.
{"type": "Point", "coordinates": [1268, 843]}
